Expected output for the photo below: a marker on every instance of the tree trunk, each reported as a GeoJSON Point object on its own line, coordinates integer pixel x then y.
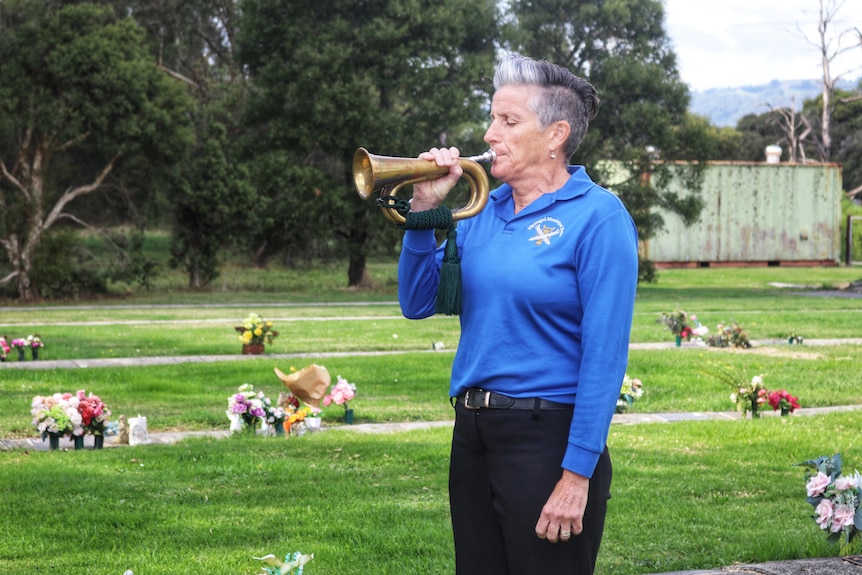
{"type": "Point", "coordinates": [357, 275]}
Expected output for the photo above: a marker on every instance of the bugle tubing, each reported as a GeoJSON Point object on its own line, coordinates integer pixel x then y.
{"type": "Point", "coordinates": [388, 174]}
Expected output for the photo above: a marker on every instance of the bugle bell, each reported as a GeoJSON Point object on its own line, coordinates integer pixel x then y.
{"type": "Point", "coordinates": [388, 174]}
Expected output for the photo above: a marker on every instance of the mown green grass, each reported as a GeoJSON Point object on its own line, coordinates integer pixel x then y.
{"type": "Point", "coordinates": [686, 495]}
{"type": "Point", "coordinates": [414, 386]}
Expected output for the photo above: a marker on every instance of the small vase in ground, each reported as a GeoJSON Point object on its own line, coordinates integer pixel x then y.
{"type": "Point", "coordinates": [79, 441]}
{"type": "Point", "coordinates": [34, 351]}
{"type": "Point", "coordinates": [53, 441]}
{"type": "Point", "coordinates": [678, 340]}
{"type": "Point", "coordinates": [98, 441]}
{"type": "Point", "coordinates": [313, 423]}
{"type": "Point", "coordinates": [252, 348]}
{"type": "Point", "coordinates": [348, 416]}
{"type": "Point", "coordinates": [21, 354]}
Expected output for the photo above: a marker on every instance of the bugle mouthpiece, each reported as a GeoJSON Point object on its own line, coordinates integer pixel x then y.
{"type": "Point", "coordinates": [488, 156]}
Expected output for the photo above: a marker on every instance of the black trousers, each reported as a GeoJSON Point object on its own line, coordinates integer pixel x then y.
{"type": "Point", "coordinates": [504, 466]}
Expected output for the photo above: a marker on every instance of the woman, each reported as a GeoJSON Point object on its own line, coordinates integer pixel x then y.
{"type": "Point", "coordinates": [549, 276]}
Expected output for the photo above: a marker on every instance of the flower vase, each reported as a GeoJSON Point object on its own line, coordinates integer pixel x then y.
{"type": "Point", "coordinates": [21, 354]}
{"type": "Point", "coordinates": [34, 352]}
{"type": "Point", "coordinates": [313, 423]}
{"type": "Point", "coordinates": [252, 348]}
{"type": "Point", "coordinates": [785, 411]}
{"type": "Point", "coordinates": [678, 340]}
{"type": "Point", "coordinates": [348, 416]}
{"type": "Point", "coordinates": [79, 441]}
{"type": "Point", "coordinates": [53, 441]}
{"type": "Point", "coordinates": [279, 427]}
{"type": "Point", "coordinates": [98, 441]}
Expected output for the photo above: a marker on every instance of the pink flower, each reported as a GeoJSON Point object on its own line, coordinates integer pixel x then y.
{"type": "Point", "coordinates": [844, 482]}
{"type": "Point", "coordinates": [343, 392]}
{"type": "Point", "coordinates": [817, 484]}
{"type": "Point", "coordinates": [842, 517]}
{"type": "Point", "coordinates": [824, 514]}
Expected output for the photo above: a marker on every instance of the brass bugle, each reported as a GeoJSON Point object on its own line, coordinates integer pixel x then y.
{"type": "Point", "coordinates": [388, 174]}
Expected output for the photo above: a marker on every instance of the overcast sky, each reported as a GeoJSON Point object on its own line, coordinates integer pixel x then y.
{"type": "Point", "coordinates": [732, 43]}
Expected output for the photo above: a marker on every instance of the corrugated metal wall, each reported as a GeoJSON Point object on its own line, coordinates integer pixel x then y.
{"type": "Point", "coordinates": [758, 213]}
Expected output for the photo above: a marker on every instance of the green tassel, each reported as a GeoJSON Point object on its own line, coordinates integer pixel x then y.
{"type": "Point", "coordinates": [449, 290]}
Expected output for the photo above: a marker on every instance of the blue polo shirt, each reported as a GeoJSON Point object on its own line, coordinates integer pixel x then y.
{"type": "Point", "coordinates": [548, 297]}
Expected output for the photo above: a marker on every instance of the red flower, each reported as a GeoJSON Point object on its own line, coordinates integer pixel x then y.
{"type": "Point", "coordinates": [784, 401]}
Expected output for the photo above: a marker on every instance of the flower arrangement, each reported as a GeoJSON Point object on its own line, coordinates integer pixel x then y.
{"type": "Point", "coordinates": [293, 563]}
{"type": "Point", "coordinates": [342, 392]}
{"type": "Point", "coordinates": [748, 395]}
{"type": "Point", "coordinates": [732, 335]}
{"type": "Point", "coordinates": [677, 322]}
{"type": "Point", "coordinates": [782, 400]}
{"type": "Point", "coordinates": [683, 325]}
{"type": "Point", "coordinates": [4, 348]}
{"type": "Point", "coordinates": [57, 415]}
{"type": "Point", "coordinates": [836, 499]}
{"type": "Point", "coordinates": [94, 413]}
{"type": "Point", "coordinates": [34, 341]}
{"type": "Point", "coordinates": [255, 331]}
{"type": "Point", "coordinates": [794, 338]}
{"type": "Point", "coordinates": [246, 408]}
{"type": "Point", "coordinates": [19, 343]}
{"type": "Point", "coordinates": [630, 391]}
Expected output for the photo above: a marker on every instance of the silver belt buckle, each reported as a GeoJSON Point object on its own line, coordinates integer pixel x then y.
{"type": "Point", "coordinates": [486, 403]}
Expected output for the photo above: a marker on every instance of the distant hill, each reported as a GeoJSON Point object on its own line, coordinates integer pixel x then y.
{"type": "Point", "coordinates": [724, 106]}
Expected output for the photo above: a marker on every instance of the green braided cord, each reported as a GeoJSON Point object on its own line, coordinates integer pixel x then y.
{"type": "Point", "coordinates": [436, 219]}
{"type": "Point", "coordinates": [449, 290]}
{"type": "Point", "coordinates": [394, 203]}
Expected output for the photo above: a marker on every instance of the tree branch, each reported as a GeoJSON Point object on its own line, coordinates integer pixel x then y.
{"type": "Point", "coordinates": [14, 181]}
{"type": "Point", "coordinates": [9, 278]}
{"type": "Point", "coordinates": [72, 142]}
{"type": "Point", "coordinates": [180, 77]}
{"type": "Point", "coordinates": [73, 193]}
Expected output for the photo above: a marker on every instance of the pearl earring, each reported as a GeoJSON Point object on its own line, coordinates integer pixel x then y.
{"type": "Point", "coordinates": [553, 155]}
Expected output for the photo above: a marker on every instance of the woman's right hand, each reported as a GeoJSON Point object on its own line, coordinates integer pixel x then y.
{"type": "Point", "coordinates": [429, 195]}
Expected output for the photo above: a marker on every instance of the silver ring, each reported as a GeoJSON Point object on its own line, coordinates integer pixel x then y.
{"type": "Point", "coordinates": [565, 534]}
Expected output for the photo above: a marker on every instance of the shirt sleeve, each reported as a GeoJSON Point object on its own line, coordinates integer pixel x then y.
{"type": "Point", "coordinates": [607, 264]}
{"type": "Point", "coordinates": [418, 274]}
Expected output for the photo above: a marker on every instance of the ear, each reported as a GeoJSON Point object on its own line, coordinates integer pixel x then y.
{"type": "Point", "coordinates": [559, 134]}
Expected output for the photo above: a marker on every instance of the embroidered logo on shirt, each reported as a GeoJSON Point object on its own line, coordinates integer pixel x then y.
{"type": "Point", "coordinates": [545, 229]}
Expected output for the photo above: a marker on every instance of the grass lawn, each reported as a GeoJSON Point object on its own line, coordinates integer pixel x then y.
{"type": "Point", "coordinates": [687, 495]}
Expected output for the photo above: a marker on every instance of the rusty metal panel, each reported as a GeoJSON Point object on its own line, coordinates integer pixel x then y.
{"type": "Point", "coordinates": [757, 212]}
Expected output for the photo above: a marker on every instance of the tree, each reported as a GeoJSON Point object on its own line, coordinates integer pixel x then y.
{"type": "Point", "coordinates": [212, 204]}
{"type": "Point", "coordinates": [395, 76]}
{"type": "Point", "coordinates": [830, 46]}
{"type": "Point", "coordinates": [79, 98]}
{"type": "Point", "coordinates": [622, 48]}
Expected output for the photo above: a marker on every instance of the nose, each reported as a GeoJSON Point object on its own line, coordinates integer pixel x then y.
{"type": "Point", "coordinates": [490, 136]}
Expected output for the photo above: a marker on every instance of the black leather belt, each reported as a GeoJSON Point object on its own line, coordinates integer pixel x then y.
{"type": "Point", "coordinates": [482, 399]}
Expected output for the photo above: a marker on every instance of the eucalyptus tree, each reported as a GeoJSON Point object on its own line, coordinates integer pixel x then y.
{"type": "Point", "coordinates": [623, 49]}
{"type": "Point", "coordinates": [80, 102]}
{"type": "Point", "coordinates": [212, 201]}
{"type": "Point", "coordinates": [395, 76]}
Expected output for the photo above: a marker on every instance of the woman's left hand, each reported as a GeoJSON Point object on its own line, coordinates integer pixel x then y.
{"type": "Point", "coordinates": [563, 514]}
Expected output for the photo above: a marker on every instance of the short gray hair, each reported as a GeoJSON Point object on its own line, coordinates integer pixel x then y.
{"type": "Point", "coordinates": [563, 95]}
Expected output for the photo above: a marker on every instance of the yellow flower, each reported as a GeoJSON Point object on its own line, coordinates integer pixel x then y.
{"type": "Point", "coordinates": [258, 332]}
